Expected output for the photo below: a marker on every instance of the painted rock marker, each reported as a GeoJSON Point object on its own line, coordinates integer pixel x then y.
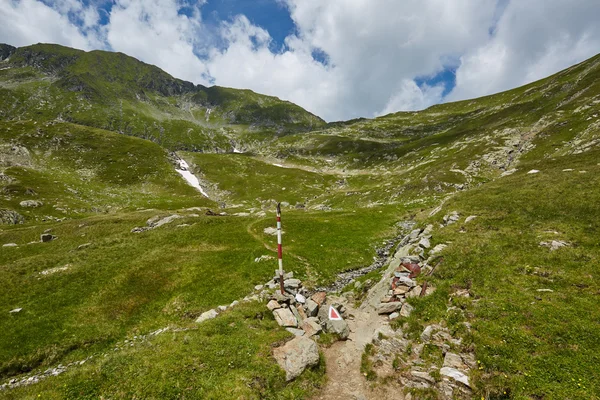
{"type": "Point", "coordinates": [334, 314]}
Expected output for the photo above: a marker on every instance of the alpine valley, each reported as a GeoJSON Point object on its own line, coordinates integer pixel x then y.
{"type": "Point", "coordinates": [460, 244]}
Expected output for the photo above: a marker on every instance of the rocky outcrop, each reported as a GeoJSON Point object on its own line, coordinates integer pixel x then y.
{"type": "Point", "coordinates": [10, 217]}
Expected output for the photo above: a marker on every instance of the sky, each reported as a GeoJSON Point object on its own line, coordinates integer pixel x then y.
{"type": "Point", "coordinates": [339, 59]}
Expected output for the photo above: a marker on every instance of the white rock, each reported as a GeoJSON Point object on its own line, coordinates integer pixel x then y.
{"type": "Point", "coordinates": [10, 245]}
{"type": "Point", "coordinates": [533, 171]}
{"type": "Point", "coordinates": [300, 299]}
{"type": "Point", "coordinates": [234, 303]}
{"type": "Point", "coordinates": [16, 310]}
{"type": "Point", "coordinates": [258, 287]}
{"type": "Point", "coordinates": [222, 308]}
{"type": "Point", "coordinates": [394, 315]}
{"type": "Point", "coordinates": [470, 218]}
{"type": "Point", "coordinates": [388, 308]}
{"type": "Point", "coordinates": [425, 243]}
{"type": "Point", "coordinates": [455, 374]}
{"type": "Point", "coordinates": [205, 316]}
{"type": "Point", "coordinates": [273, 305]}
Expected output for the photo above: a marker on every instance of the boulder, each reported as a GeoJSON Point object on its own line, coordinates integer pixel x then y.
{"type": "Point", "coordinates": [10, 217]}
{"type": "Point", "coordinates": [296, 355]}
{"type": "Point", "coordinates": [388, 308]}
{"type": "Point", "coordinates": [205, 316]}
{"type": "Point", "coordinates": [339, 327]}
{"type": "Point", "coordinates": [285, 317]}
{"type": "Point", "coordinates": [292, 283]}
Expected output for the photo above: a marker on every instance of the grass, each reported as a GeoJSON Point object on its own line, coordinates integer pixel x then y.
{"type": "Point", "coordinates": [530, 343]}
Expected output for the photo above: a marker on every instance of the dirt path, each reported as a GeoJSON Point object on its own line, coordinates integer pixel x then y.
{"type": "Point", "coordinates": [344, 379]}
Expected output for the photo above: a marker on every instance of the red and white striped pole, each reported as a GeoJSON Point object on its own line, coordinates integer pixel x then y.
{"type": "Point", "coordinates": [279, 249]}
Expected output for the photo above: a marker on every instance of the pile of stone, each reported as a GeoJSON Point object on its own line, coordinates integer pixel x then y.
{"type": "Point", "coordinates": [302, 315]}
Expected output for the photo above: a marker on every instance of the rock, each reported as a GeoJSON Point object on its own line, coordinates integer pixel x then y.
{"type": "Point", "coordinates": [31, 203]}
{"type": "Point", "coordinates": [339, 327]}
{"type": "Point", "coordinates": [456, 375]}
{"type": "Point", "coordinates": [438, 248]}
{"type": "Point", "coordinates": [10, 245]}
{"type": "Point", "coordinates": [156, 222]}
{"type": "Point", "coordinates": [388, 308]}
{"type": "Point", "coordinates": [234, 303]}
{"type": "Point", "coordinates": [405, 280]}
{"type": "Point", "coordinates": [311, 326]}
{"type": "Point", "coordinates": [273, 305]}
{"type": "Point", "coordinates": [414, 292]}
{"type": "Point", "coordinates": [271, 231]}
{"type": "Point", "coordinates": [312, 308]}
{"type": "Point", "coordinates": [285, 317]}
{"type": "Point", "coordinates": [424, 243]}
{"type": "Point", "coordinates": [258, 287]}
{"type": "Point", "coordinates": [46, 237]}
{"type": "Point", "coordinates": [426, 335]}
{"type": "Point", "coordinates": [423, 377]}
{"type": "Point", "coordinates": [406, 310]}
{"type": "Point", "coordinates": [401, 290]}
{"type": "Point", "coordinates": [319, 298]}
{"type": "Point", "coordinates": [292, 283]}
{"type": "Point", "coordinates": [555, 244]}
{"type": "Point", "coordinates": [83, 246]}
{"type": "Point", "coordinates": [394, 315]}
{"type": "Point", "coordinates": [205, 316]}
{"type": "Point", "coordinates": [296, 355]}
{"type": "Point", "coordinates": [470, 218]}
{"type": "Point", "coordinates": [300, 309]}
{"type": "Point", "coordinates": [222, 308]}
{"type": "Point", "coordinates": [10, 217]}
{"type": "Point", "coordinates": [452, 360]}
{"type": "Point", "coordinates": [300, 299]}
{"type": "Point", "coordinates": [297, 315]}
{"type": "Point", "coordinates": [16, 310]}
{"type": "Point", "coordinates": [545, 290]}
{"type": "Point", "coordinates": [295, 332]}
{"type": "Point", "coordinates": [286, 275]}
{"type": "Point", "coordinates": [509, 172]}
{"type": "Point", "coordinates": [533, 171]}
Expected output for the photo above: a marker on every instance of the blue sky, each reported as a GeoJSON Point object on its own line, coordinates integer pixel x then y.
{"type": "Point", "coordinates": [340, 59]}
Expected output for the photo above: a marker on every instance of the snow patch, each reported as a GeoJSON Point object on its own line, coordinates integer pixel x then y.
{"type": "Point", "coordinates": [191, 179]}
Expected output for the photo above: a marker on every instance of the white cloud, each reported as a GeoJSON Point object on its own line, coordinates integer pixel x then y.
{"type": "Point", "coordinates": [533, 39]}
{"type": "Point", "coordinates": [29, 21]}
{"type": "Point", "coordinates": [376, 48]}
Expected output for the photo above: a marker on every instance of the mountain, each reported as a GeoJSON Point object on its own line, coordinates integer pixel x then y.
{"type": "Point", "coordinates": [119, 93]}
{"type": "Point", "coordinates": [496, 199]}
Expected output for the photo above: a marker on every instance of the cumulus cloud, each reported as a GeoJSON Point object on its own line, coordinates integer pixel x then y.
{"type": "Point", "coordinates": [374, 49]}
{"type": "Point", "coordinates": [533, 39]}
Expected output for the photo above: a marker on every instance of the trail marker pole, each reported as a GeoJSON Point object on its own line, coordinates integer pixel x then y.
{"type": "Point", "coordinates": [279, 249]}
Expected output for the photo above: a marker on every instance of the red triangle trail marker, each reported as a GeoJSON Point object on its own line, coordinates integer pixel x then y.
{"type": "Point", "coordinates": [334, 314]}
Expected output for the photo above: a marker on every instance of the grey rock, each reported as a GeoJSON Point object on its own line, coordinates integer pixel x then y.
{"type": "Point", "coordinates": [405, 280]}
{"type": "Point", "coordinates": [394, 315]}
{"type": "Point", "coordinates": [424, 243]}
{"type": "Point", "coordinates": [16, 310]}
{"type": "Point", "coordinates": [339, 327]}
{"type": "Point", "coordinates": [258, 287]}
{"type": "Point", "coordinates": [406, 310]}
{"type": "Point", "coordinates": [222, 308]}
{"type": "Point", "coordinates": [83, 246]}
{"type": "Point", "coordinates": [31, 203]}
{"type": "Point", "coordinates": [292, 283]}
{"type": "Point", "coordinates": [205, 316]}
{"type": "Point", "coordinates": [437, 249]}
{"type": "Point", "coordinates": [10, 217]}
{"type": "Point", "coordinates": [414, 292]}
{"type": "Point", "coordinates": [296, 355]}
{"type": "Point", "coordinates": [297, 315]}
{"type": "Point", "coordinates": [452, 360]}
{"type": "Point", "coordinates": [312, 308]}
{"type": "Point", "coordinates": [295, 332]}
{"type": "Point", "coordinates": [470, 218]}
{"type": "Point", "coordinates": [388, 308]}
{"type": "Point", "coordinates": [285, 317]}
{"type": "Point", "coordinates": [234, 303]}
{"type": "Point", "coordinates": [426, 335]}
